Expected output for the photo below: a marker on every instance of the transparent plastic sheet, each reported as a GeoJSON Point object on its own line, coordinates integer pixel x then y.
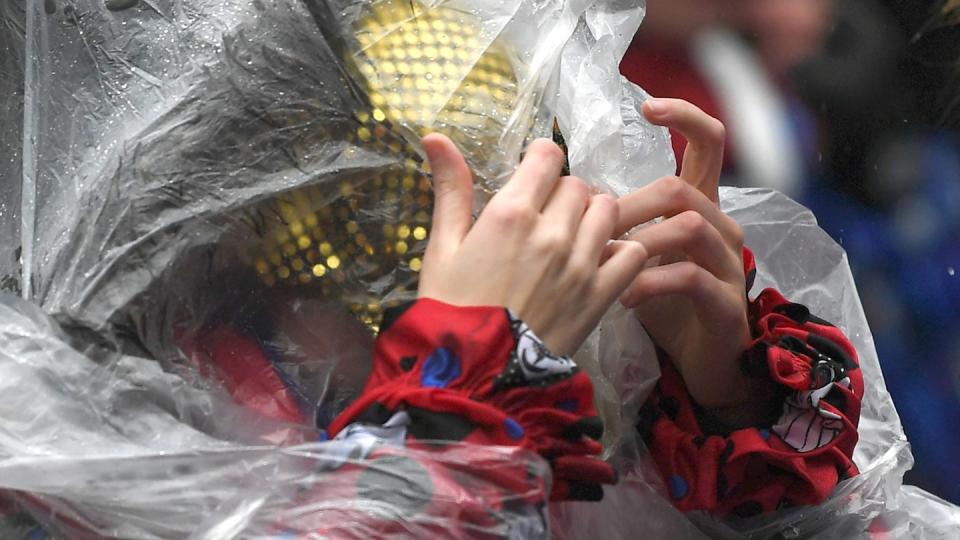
{"type": "Point", "coordinates": [166, 142]}
{"type": "Point", "coordinates": [12, 55]}
{"type": "Point", "coordinates": [609, 140]}
{"type": "Point", "coordinates": [163, 134]}
{"type": "Point", "coordinates": [158, 129]}
{"type": "Point", "coordinates": [122, 94]}
{"type": "Point", "coordinates": [118, 449]}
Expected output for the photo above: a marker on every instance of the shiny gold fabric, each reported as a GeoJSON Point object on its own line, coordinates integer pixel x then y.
{"type": "Point", "coordinates": [425, 69]}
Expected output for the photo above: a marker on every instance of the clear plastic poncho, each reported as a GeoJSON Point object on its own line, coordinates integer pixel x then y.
{"type": "Point", "coordinates": [186, 164]}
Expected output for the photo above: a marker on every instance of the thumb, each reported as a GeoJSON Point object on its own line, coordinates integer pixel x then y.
{"type": "Point", "coordinates": [452, 191]}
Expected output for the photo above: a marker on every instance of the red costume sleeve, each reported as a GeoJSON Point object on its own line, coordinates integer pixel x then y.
{"type": "Point", "coordinates": [799, 454]}
{"type": "Point", "coordinates": [480, 375]}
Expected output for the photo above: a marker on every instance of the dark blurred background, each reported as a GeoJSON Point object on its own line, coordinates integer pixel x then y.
{"type": "Point", "coordinates": [851, 107]}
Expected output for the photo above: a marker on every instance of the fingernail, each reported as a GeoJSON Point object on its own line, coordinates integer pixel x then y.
{"type": "Point", "coordinates": [656, 107]}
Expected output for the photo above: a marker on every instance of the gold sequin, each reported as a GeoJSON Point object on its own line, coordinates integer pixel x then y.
{"type": "Point", "coordinates": [428, 69]}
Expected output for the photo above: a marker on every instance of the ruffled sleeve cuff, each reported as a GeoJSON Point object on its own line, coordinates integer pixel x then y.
{"type": "Point", "coordinates": [796, 456]}
{"type": "Point", "coordinates": [480, 375]}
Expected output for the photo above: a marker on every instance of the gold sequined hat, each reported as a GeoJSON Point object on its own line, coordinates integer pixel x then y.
{"type": "Point", "coordinates": [425, 69]}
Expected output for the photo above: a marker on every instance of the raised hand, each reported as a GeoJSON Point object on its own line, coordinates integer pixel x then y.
{"type": "Point", "coordinates": [540, 247]}
{"type": "Point", "coordinates": [694, 302]}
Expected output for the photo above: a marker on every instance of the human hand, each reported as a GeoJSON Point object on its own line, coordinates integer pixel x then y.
{"type": "Point", "coordinates": [540, 247]}
{"type": "Point", "coordinates": [693, 304]}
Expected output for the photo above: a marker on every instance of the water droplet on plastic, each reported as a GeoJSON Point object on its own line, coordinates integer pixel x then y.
{"type": "Point", "coordinates": [951, 272]}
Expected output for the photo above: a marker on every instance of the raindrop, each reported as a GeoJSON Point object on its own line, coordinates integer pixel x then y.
{"type": "Point", "coordinates": [50, 6]}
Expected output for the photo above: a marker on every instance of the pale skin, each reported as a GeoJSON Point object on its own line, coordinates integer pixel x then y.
{"type": "Point", "coordinates": [557, 256]}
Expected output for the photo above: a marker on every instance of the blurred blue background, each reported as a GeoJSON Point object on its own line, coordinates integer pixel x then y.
{"type": "Point", "coordinates": [849, 107]}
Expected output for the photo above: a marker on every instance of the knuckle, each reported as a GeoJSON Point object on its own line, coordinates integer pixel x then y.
{"type": "Point", "coordinates": [674, 187]}
{"type": "Point", "coordinates": [578, 184]}
{"type": "Point", "coordinates": [690, 275]}
{"type": "Point", "coordinates": [606, 201]}
{"type": "Point", "coordinates": [559, 240]}
{"type": "Point", "coordinates": [554, 243]}
{"type": "Point", "coordinates": [607, 207]}
{"type": "Point", "coordinates": [580, 273]}
{"type": "Point", "coordinates": [636, 252]}
{"type": "Point", "coordinates": [693, 224]}
{"type": "Point", "coordinates": [716, 132]}
{"type": "Point", "coordinates": [633, 254]}
{"type": "Point", "coordinates": [513, 214]}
